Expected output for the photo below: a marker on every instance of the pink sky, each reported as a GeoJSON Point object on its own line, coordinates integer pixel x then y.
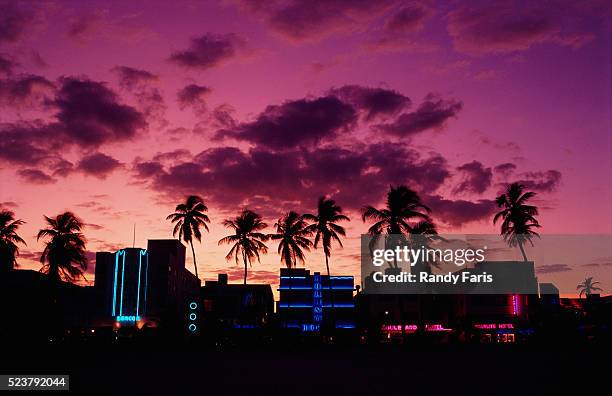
{"type": "Point", "coordinates": [433, 95]}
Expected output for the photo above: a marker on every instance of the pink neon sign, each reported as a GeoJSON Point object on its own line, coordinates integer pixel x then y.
{"type": "Point", "coordinates": [493, 326]}
{"type": "Point", "coordinates": [413, 328]}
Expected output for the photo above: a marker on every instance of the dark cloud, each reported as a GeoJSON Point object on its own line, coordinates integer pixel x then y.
{"type": "Point", "coordinates": [172, 157]}
{"type": "Point", "coordinates": [459, 212]}
{"type": "Point", "coordinates": [193, 96]}
{"type": "Point", "coordinates": [35, 176]}
{"type": "Point", "coordinates": [141, 84]}
{"type": "Point", "coordinates": [98, 164]}
{"type": "Point", "coordinates": [508, 26]}
{"type": "Point", "coordinates": [552, 268]}
{"type": "Point", "coordinates": [14, 21]}
{"type": "Point", "coordinates": [131, 78]}
{"type": "Point", "coordinates": [7, 64]}
{"type": "Point", "coordinates": [26, 91]}
{"type": "Point", "coordinates": [505, 170]}
{"type": "Point", "coordinates": [475, 178]}
{"type": "Point", "coordinates": [407, 19]}
{"type": "Point", "coordinates": [144, 170]}
{"type": "Point", "coordinates": [305, 20]}
{"type": "Point", "coordinates": [373, 101]}
{"type": "Point", "coordinates": [90, 113]}
{"type": "Point", "coordinates": [273, 181]}
{"type": "Point", "coordinates": [431, 114]}
{"type": "Point", "coordinates": [219, 118]}
{"type": "Point", "coordinates": [208, 50]}
{"type": "Point", "coordinates": [20, 143]}
{"type": "Point", "coordinates": [304, 121]}
{"type": "Point", "coordinates": [547, 181]}
{"type": "Point", "coordinates": [9, 204]}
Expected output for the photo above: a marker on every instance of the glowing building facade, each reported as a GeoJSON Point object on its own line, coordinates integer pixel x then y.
{"type": "Point", "coordinates": [146, 284]}
{"type": "Point", "coordinates": [311, 302]}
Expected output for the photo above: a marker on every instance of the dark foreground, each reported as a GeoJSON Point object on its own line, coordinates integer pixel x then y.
{"type": "Point", "coordinates": [391, 370]}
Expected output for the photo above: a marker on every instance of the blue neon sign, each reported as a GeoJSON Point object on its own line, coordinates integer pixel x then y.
{"type": "Point", "coordinates": [128, 318]}
{"type": "Point", "coordinates": [317, 299]}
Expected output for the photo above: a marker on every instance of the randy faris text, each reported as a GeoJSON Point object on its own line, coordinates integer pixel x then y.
{"type": "Point", "coordinates": [424, 277]}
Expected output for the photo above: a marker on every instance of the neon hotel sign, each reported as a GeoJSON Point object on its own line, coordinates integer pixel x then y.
{"type": "Point", "coordinates": [412, 328]}
{"type": "Point", "coordinates": [409, 328]}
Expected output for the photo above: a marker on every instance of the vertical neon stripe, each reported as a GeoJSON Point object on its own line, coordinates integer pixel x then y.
{"type": "Point", "coordinates": [146, 283]}
{"type": "Point", "coordinates": [115, 282]}
{"type": "Point", "coordinates": [122, 281]}
{"type": "Point", "coordinates": [139, 271]}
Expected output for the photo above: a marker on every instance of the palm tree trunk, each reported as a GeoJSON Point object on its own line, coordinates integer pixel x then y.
{"type": "Point", "coordinates": [522, 251]}
{"type": "Point", "coordinates": [331, 294]}
{"type": "Point", "coordinates": [194, 259]}
{"type": "Point", "coordinates": [245, 266]}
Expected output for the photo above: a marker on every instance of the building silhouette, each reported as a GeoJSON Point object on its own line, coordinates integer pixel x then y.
{"type": "Point", "coordinates": [312, 302]}
{"type": "Point", "coordinates": [147, 286]}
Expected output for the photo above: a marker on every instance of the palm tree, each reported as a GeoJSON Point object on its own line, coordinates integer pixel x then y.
{"type": "Point", "coordinates": [327, 230]}
{"type": "Point", "coordinates": [247, 239]}
{"type": "Point", "coordinates": [189, 217]}
{"type": "Point", "coordinates": [401, 215]}
{"type": "Point", "coordinates": [588, 287]}
{"type": "Point", "coordinates": [422, 234]}
{"type": "Point", "coordinates": [518, 217]}
{"type": "Point", "coordinates": [64, 256]}
{"type": "Point", "coordinates": [293, 235]}
{"type": "Point", "coordinates": [9, 240]}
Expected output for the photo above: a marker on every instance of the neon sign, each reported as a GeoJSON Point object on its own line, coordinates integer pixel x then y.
{"type": "Point", "coordinates": [516, 306]}
{"type": "Point", "coordinates": [192, 325]}
{"type": "Point", "coordinates": [124, 293]}
{"type": "Point", "coordinates": [317, 299]}
{"type": "Point", "coordinates": [128, 318]}
{"type": "Point", "coordinates": [411, 328]}
{"type": "Point", "coordinates": [398, 328]}
{"type": "Point", "coordinates": [493, 326]}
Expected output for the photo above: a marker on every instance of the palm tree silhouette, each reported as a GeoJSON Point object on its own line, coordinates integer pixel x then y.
{"type": "Point", "coordinates": [64, 256]}
{"type": "Point", "coordinates": [247, 239]}
{"type": "Point", "coordinates": [326, 231]}
{"type": "Point", "coordinates": [422, 234]}
{"type": "Point", "coordinates": [518, 217]}
{"type": "Point", "coordinates": [293, 236]}
{"type": "Point", "coordinates": [402, 208]}
{"type": "Point", "coordinates": [587, 287]}
{"type": "Point", "coordinates": [189, 217]}
{"type": "Point", "coordinates": [9, 240]}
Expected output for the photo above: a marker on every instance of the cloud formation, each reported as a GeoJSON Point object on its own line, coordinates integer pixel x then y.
{"type": "Point", "coordinates": [373, 101]}
{"type": "Point", "coordinates": [193, 96]}
{"type": "Point", "coordinates": [35, 176]}
{"type": "Point", "coordinates": [433, 113]}
{"type": "Point", "coordinates": [459, 212]}
{"type": "Point", "coordinates": [14, 21]}
{"type": "Point", "coordinates": [508, 26]}
{"type": "Point", "coordinates": [547, 181]}
{"type": "Point", "coordinates": [208, 50]}
{"type": "Point", "coordinates": [408, 19]}
{"type": "Point", "coordinates": [90, 114]}
{"type": "Point", "coordinates": [7, 65]}
{"type": "Point", "coordinates": [476, 179]}
{"type": "Point", "coordinates": [26, 90]}
{"type": "Point", "coordinates": [552, 268]}
{"type": "Point", "coordinates": [304, 20]}
{"type": "Point", "coordinates": [296, 122]}
{"type": "Point", "coordinates": [98, 164]}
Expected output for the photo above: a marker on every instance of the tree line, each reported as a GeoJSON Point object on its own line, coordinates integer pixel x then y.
{"type": "Point", "coordinates": [64, 256]}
